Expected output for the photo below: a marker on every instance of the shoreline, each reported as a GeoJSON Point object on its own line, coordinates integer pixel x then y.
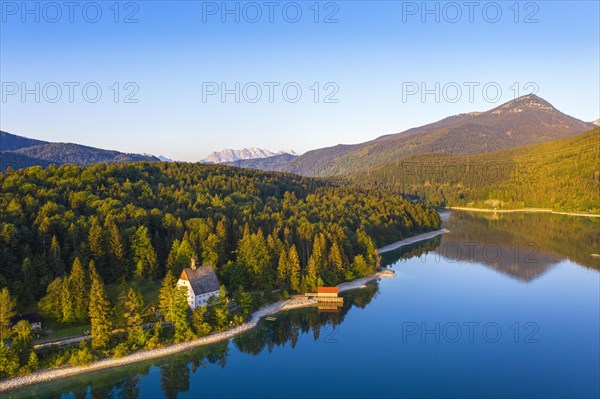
{"type": "Point", "coordinates": [47, 375]}
{"type": "Point", "coordinates": [412, 240]}
{"type": "Point", "coordinates": [524, 210]}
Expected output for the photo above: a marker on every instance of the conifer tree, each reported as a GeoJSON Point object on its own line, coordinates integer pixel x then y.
{"type": "Point", "coordinates": [7, 310]}
{"type": "Point", "coordinates": [166, 296]}
{"type": "Point", "coordinates": [294, 268]}
{"type": "Point", "coordinates": [78, 291]}
{"type": "Point", "coordinates": [55, 261]}
{"type": "Point", "coordinates": [144, 256]}
{"type": "Point", "coordinates": [133, 305]}
{"type": "Point", "coordinates": [282, 270]}
{"type": "Point", "coordinates": [99, 312]}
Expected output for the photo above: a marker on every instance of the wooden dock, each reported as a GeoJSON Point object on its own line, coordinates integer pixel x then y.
{"type": "Point", "coordinates": [325, 299]}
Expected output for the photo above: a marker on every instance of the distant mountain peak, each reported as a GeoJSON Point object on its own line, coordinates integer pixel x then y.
{"type": "Point", "coordinates": [596, 122]}
{"type": "Point", "coordinates": [230, 155]}
{"type": "Point", "coordinates": [530, 102]}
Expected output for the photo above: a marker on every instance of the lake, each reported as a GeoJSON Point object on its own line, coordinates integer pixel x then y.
{"type": "Point", "coordinates": [501, 306]}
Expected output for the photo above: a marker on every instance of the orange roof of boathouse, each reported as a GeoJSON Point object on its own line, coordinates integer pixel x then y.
{"type": "Point", "coordinates": [328, 290]}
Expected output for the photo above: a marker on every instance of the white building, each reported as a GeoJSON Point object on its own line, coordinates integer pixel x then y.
{"type": "Point", "coordinates": [201, 283]}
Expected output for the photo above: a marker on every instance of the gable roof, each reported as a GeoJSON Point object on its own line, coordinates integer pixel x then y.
{"type": "Point", "coordinates": [203, 279]}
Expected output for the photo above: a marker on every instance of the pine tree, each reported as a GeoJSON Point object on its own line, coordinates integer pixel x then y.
{"type": "Point", "coordinates": [180, 256]}
{"type": "Point", "coordinates": [116, 249]}
{"type": "Point", "coordinates": [218, 308]}
{"type": "Point", "coordinates": [359, 266]}
{"type": "Point", "coordinates": [144, 256]}
{"type": "Point", "coordinates": [294, 268]}
{"type": "Point", "coordinates": [22, 341]}
{"type": "Point", "coordinates": [55, 261]}
{"type": "Point", "coordinates": [9, 361]}
{"type": "Point", "coordinates": [282, 270]}
{"type": "Point", "coordinates": [96, 239]}
{"type": "Point", "coordinates": [212, 250]}
{"type": "Point", "coordinates": [166, 296]}
{"type": "Point", "coordinates": [133, 305]}
{"type": "Point", "coordinates": [243, 299]}
{"type": "Point", "coordinates": [7, 310]}
{"type": "Point", "coordinates": [179, 314]}
{"type": "Point", "coordinates": [201, 326]}
{"type": "Point", "coordinates": [66, 302]}
{"type": "Point", "coordinates": [99, 312]}
{"type": "Point", "coordinates": [78, 291]}
{"type": "Point", "coordinates": [335, 258]}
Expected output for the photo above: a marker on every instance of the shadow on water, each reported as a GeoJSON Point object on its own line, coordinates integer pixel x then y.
{"type": "Point", "coordinates": [175, 371]}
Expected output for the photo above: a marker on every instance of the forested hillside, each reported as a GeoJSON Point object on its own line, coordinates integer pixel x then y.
{"type": "Point", "coordinates": [18, 152]}
{"type": "Point", "coordinates": [562, 175]}
{"type": "Point", "coordinates": [526, 120]}
{"type": "Point", "coordinates": [138, 221]}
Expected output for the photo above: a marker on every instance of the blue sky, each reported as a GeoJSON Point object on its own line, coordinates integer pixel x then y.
{"type": "Point", "coordinates": [367, 61]}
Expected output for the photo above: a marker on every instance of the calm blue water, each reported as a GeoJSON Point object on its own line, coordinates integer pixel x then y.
{"type": "Point", "coordinates": [500, 307]}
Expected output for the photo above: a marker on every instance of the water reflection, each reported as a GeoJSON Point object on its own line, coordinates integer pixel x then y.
{"type": "Point", "coordinates": [175, 371]}
{"type": "Point", "coordinates": [523, 246]}
{"type": "Point", "coordinates": [289, 326]}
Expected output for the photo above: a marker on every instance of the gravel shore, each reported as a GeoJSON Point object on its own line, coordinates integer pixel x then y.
{"type": "Point", "coordinates": [52, 374]}
{"type": "Point", "coordinates": [412, 240]}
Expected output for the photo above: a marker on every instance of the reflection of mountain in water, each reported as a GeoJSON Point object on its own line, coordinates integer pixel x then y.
{"type": "Point", "coordinates": [523, 262]}
{"type": "Point", "coordinates": [176, 370]}
{"type": "Point", "coordinates": [520, 245]}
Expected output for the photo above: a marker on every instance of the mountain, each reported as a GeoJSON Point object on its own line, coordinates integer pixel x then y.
{"type": "Point", "coordinates": [274, 163]}
{"type": "Point", "coordinates": [19, 161]}
{"type": "Point", "coordinates": [10, 142]}
{"type": "Point", "coordinates": [525, 120]}
{"type": "Point", "coordinates": [596, 122]}
{"type": "Point", "coordinates": [562, 175]}
{"type": "Point", "coordinates": [230, 155]}
{"type": "Point", "coordinates": [20, 152]}
{"type": "Point", "coordinates": [164, 159]}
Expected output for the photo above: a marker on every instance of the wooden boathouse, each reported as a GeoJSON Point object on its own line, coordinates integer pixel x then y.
{"type": "Point", "coordinates": [326, 295]}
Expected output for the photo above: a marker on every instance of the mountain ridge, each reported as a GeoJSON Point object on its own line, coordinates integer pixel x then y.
{"type": "Point", "coordinates": [526, 120]}
{"type": "Point", "coordinates": [20, 152]}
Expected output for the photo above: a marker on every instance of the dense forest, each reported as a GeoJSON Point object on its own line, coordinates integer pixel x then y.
{"type": "Point", "coordinates": [138, 221]}
{"type": "Point", "coordinates": [79, 244]}
{"type": "Point", "coordinates": [562, 175]}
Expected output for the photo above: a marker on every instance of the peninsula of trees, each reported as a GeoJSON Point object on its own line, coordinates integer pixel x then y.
{"type": "Point", "coordinates": [77, 243]}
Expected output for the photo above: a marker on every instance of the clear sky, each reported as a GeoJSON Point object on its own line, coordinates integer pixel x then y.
{"type": "Point", "coordinates": [361, 68]}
